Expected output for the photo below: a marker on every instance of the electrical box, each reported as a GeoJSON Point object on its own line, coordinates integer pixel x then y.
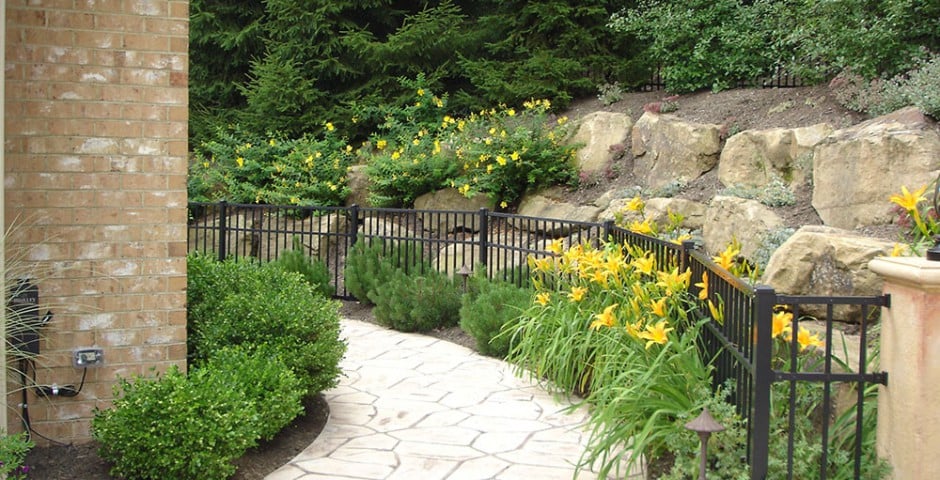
{"type": "Point", "coordinates": [23, 326]}
{"type": "Point", "coordinates": [88, 357]}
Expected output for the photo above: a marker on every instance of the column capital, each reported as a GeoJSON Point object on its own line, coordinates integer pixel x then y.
{"type": "Point", "coordinates": [914, 272]}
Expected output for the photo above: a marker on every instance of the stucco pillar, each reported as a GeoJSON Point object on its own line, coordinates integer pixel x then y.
{"type": "Point", "coordinates": [908, 415]}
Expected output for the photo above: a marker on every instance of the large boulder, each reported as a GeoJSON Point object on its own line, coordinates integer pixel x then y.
{"type": "Point", "coordinates": [668, 149]}
{"type": "Point", "coordinates": [548, 204]}
{"type": "Point", "coordinates": [730, 218]}
{"type": "Point", "coordinates": [856, 169]}
{"type": "Point", "coordinates": [598, 132]}
{"type": "Point", "coordinates": [447, 210]}
{"type": "Point", "coordinates": [657, 210]}
{"type": "Point", "coordinates": [359, 184]}
{"type": "Point", "coordinates": [755, 157]}
{"type": "Point", "coordinates": [819, 260]}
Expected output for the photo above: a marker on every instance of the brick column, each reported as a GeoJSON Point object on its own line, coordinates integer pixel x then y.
{"type": "Point", "coordinates": [908, 417]}
{"type": "Point", "coordinates": [95, 160]}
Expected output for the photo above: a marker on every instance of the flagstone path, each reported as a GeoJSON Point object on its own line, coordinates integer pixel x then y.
{"type": "Point", "coordinates": [419, 408]}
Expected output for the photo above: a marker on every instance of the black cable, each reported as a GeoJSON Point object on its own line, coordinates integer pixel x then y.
{"type": "Point", "coordinates": [24, 365]}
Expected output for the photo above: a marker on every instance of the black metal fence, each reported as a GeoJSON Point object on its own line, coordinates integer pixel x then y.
{"type": "Point", "coordinates": [779, 78]}
{"type": "Point", "coordinates": [741, 343]}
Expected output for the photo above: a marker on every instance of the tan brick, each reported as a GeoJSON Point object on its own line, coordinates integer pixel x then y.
{"type": "Point", "coordinates": [145, 76]}
{"type": "Point", "coordinates": [146, 42]}
{"type": "Point", "coordinates": [118, 128]}
{"type": "Point", "coordinates": [70, 20]}
{"type": "Point", "coordinates": [165, 130]}
{"type": "Point", "coordinates": [119, 23]}
{"type": "Point", "coordinates": [180, 44]}
{"type": "Point", "coordinates": [167, 199]}
{"type": "Point", "coordinates": [26, 17]}
{"type": "Point", "coordinates": [141, 181]}
{"type": "Point", "coordinates": [144, 112]}
{"type": "Point", "coordinates": [179, 9]}
{"type": "Point", "coordinates": [99, 6]}
{"type": "Point", "coordinates": [98, 39]}
{"type": "Point", "coordinates": [69, 163]}
{"type": "Point", "coordinates": [166, 301]}
{"type": "Point", "coordinates": [45, 36]}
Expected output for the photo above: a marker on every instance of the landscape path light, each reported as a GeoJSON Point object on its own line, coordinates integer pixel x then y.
{"type": "Point", "coordinates": [704, 425]}
{"type": "Point", "coordinates": [464, 273]}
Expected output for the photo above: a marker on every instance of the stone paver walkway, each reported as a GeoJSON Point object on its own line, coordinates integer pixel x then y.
{"type": "Point", "coordinates": [418, 408]}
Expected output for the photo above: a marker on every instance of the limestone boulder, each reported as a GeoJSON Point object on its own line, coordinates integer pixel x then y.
{"type": "Point", "coordinates": [668, 149]}
{"type": "Point", "coordinates": [820, 260]}
{"type": "Point", "coordinates": [598, 132]}
{"type": "Point", "coordinates": [548, 204]}
{"type": "Point", "coordinates": [657, 209]}
{"type": "Point", "coordinates": [729, 218]}
{"type": "Point", "coordinates": [359, 185]}
{"type": "Point", "coordinates": [755, 157]}
{"type": "Point", "coordinates": [450, 211]}
{"type": "Point", "coordinates": [856, 169]}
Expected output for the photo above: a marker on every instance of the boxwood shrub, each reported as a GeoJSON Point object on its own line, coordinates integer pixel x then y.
{"type": "Point", "coordinates": [240, 303]}
{"type": "Point", "coordinates": [175, 427]}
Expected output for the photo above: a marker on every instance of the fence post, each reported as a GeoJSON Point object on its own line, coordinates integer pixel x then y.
{"type": "Point", "coordinates": [484, 237]}
{"type": "Point", "coordinates": [764, 300]}
{"type": "Point", "coordinates": [908, 420]}
{"type": "Point", "coordinates": [223, 226]}
{"type": "Point", "coordinates": [608, 231]}
{"type": "Point", "coordinates": [687, 246]}
{"type": "Point", "coordinates": [352, 231]}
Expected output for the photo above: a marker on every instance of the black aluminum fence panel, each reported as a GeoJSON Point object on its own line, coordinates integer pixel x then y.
{"type": "Point", "coordinates": [838, 370]}
{"type": "Point", "coordinates": [739, 344]}
{"type": "Point", "coordinates": [779, 78]}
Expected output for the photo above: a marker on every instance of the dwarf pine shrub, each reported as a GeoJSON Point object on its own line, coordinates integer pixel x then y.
{"type": "Point", "coordinates": [484, 313]}
{"type": "Point", "coordinates": [417, 303]}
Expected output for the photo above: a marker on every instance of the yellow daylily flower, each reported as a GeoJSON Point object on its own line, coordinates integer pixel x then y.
{"type": "Point", "coordinates": [703, 287]}
{"type": "Point", "coordinates": [659, 307]}
{"type": "Point", "coordinates": [635, 204]}
{"type": "Point", "coordinates": [605, 319]}
{"type": "Point", "coordinates": [726, 258]}
{"type": "Point", "coordinates": [577, 294]}
{"type": "Point", "coordinates": [806, 340]}
{"type": "Point", "coordinates": [240, 161]}
{"type": "Point", "coordinates": [543, 298]}
{"type": "Point", "coordinates": [782, 322]}
{"type": "Point", "coordinates": [644, 227]}
{"type": "Point", "coordinates": [645, 265]}
{"type": "Point", "coordinates": [908, 200]}
{"type": "Point", "coordinates": [556, 247]}
{"type": "Point", "coordinates": [655, 334]}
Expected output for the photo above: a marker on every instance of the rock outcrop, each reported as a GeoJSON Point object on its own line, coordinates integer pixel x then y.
{"type": "Point", "coordinates": [599, 132]}
{"type": "Point", "coordinates": [819, 260]}
{"type": "Point", "coordinates": [755, 157]}
{"type": "Point", "coordinates": [730, 218]}
{"type": "Point", "coordinates": [856, 169]}
{"type": "Point", "coordinates": [668, 149]}
{"type": "Point", "coordinates": [445, 201]}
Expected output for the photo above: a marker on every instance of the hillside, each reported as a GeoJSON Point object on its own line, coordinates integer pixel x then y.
{"type": "Point", "coordinates": [737, 110]}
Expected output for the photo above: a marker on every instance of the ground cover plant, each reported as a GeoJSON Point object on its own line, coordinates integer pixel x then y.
{"type": "Point", "coordinates": [261, 341]}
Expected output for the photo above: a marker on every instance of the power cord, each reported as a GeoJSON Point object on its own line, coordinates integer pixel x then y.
{"type": "Point", "coordinates": [44, 390]}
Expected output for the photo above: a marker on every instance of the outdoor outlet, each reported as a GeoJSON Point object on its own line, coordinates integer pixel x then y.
{"type": "Point", "coordinates": [88, 357]}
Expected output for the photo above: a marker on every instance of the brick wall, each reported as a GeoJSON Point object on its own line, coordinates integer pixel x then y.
{"type": "Point", "coordinates": [95, 165]}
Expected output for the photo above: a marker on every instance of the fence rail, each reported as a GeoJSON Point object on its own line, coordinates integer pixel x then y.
{"type": "Point", "coordinates": [738, 340]}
